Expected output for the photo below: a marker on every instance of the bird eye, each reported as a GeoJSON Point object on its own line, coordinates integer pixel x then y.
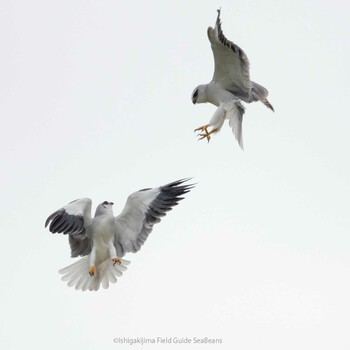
{"type": "Point", "coordinates": [105, 203]}
{"type": "Point", "coordinates": [195, 94]}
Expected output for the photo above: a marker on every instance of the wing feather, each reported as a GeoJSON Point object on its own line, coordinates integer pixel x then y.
{"type": "Point", "coordinates": [73, 220]}
{"type": "Point", "coordinates": [231, 63]}
{"type": "Point", "coordinates": [259, 93]}
{"type": "Point", "coordinates": [142, 211]}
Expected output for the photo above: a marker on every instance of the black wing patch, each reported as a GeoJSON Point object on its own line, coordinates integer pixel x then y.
{"type": "Point", "coordinates": [224, 41]}
{"type": "Point", "coordinates": [168, 197]}
{"type": "Point", "coordinates": [61, 222]}
{"type": "Point", "coordinates": [79, 246]}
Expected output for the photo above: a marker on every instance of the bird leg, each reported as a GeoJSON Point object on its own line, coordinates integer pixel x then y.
{"type": "Point", "coordinates": [117, 261]}
{"type": "Point", "coordinates": [203, 128]}
{"type": "Point", "coordinates": [92, 270]}
{"type": "Point", "coordinates": [206, 133]}
{"type": "Point", "coordinates": [92, 258]}
{"type": "Point", "coordinates": [113, 252]}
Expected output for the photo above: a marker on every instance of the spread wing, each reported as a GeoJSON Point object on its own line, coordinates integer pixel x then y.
{"type": "Point", "coordinates": [142, 210]}
{"type": "Point", "coordinates": [231, 63]}
{"type": "Point", "coordinates": [73, 220]}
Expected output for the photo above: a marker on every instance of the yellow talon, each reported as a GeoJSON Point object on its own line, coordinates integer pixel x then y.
{"type": "Point", "coordinates": [92, 270]}
{"type": "Point", "coordinates": [203, 128]}
{"type": "Point", "coordinates": [116, 261]}
{"type": "Point", "coordinates": [202, 136]}
{"type": "Point", "coordinates": [206, 134]}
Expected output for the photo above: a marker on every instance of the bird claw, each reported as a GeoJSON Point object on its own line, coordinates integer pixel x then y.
{"type": "Point", "coordinates": [202, 136]}
{"type": "Point", "coordinates": [202, 128]}
{"type": "Point", "coordinates": [92, 270]}
{"type": "Point", "coordinates": [117, 261]}
{"type": "Point", "coordinates": [206, 133]}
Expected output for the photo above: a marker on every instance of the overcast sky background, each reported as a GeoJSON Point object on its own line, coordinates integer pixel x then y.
{"type": "Point", "coordinates": [95, 102]}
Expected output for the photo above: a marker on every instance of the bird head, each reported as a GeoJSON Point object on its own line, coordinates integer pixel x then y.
{"type": "Point", "coordinates": [104, 208]}
{"type": "Point", "coordinates": [199, 94]}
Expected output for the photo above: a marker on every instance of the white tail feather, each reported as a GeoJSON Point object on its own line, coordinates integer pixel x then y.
{"type": "Point", "coordinates": [234, 113]}
{"type": "Point", "coordinates": [77, 274]}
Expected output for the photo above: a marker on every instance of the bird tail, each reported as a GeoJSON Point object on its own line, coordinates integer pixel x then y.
{"type": "Point", "coordinates": [77, 274]}
{"type": "Point", "coordinates": [234, 113]}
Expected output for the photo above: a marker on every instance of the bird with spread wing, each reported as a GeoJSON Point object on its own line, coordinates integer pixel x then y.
{"type": "Point", "coordinates": [230, 85]}
{"type": "Point", "coordinates": [103, 241]}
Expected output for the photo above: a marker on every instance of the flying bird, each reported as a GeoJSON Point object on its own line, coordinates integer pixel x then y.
{"type": "Point", "coordinates": [230, 85]}
{"type": "Point", "coordinates": [103, 241]}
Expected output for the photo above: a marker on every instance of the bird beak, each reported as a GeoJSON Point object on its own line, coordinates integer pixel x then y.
{"type": "Point", "coordinates": [194, 102]}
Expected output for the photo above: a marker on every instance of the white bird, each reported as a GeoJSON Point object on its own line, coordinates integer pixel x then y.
{"type": "Point", "coordinates": [102, 241]}
{"type": "Point", "coordinates": [230, 84]}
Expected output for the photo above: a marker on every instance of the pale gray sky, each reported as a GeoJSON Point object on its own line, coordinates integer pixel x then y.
{"type": "Point", "coordinates": [95, 101]}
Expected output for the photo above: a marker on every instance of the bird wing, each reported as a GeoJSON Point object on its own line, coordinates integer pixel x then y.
{"type": "Point", "coordinates": [231, 63]}
{"type": "Point", "coordinates": [259, 93]}
{"type": "Point", "coordinates": [234, 113]}
{"type": "Point", "coordinates": [142, 210]}
{"type": "Point", "coordinates": [73, 220]}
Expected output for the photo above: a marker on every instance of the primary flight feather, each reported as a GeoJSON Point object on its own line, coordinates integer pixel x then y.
{"type": "Point", "coordinates": [230, 85]}
{"type": "Point", "coordinates": [102, 241]}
